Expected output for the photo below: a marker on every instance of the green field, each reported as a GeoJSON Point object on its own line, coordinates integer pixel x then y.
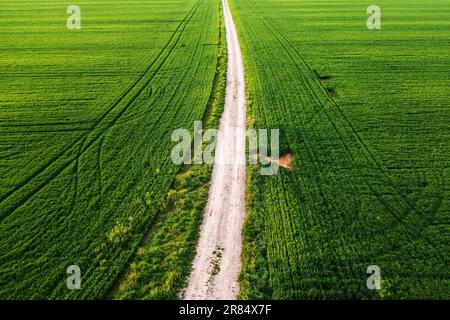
{"type": "Point", "coordinates": [85, 123]}
{"type": "Point", "coordinates": [365, 114]}
{"type": "Point", "coordinates": [86, 117]}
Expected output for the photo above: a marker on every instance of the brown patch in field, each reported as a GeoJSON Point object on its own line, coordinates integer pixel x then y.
{"type": "Point", "coordinates": [284, 162]}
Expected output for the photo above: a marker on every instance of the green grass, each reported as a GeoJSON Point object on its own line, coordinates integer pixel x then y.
{"type": "Point", "coordinates": [86, 118]}
{"type": "Point", "coordinates": [371, 175]}
{"type": "Point", "coordinates": [162, 264]}
{"type": "Point", "coordinates": [85, 123]}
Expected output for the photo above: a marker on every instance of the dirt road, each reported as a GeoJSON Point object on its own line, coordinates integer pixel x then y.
{"type": "Point", "coordinates": [218, 261]}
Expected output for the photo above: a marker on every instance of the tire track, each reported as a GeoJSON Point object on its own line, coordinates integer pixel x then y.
{"type": "Point", "coordinates": [174, 94]}
{"type": "Point", "coordinates": [369, 155]}
{"type": "Point", "coordinates": [285, 43]}
{"type": "Point", "coordinates": [8, 208]}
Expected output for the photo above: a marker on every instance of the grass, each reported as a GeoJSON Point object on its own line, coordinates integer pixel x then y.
{"type": "Point", "coordinates": [162, 265]}
{"type": "Point", "coordinates": [364, 114]}
{"type": "Point", "coordinates": [86, 118]}
{"type": "Point", "coordinates": [85, 123]}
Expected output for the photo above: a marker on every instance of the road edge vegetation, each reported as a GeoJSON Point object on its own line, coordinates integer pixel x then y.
{"type": "Point", "coordinates": [160, 267]}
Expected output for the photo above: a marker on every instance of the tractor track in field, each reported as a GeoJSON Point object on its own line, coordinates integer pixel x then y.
{"type": "Point", "coordinates": [369, 155]}
{"type": "Point", "coordinates": [7, 209]}
{"type": "Point", "coordinates": [217, 263]}
{"type": "Point", "coordinates": [161, 92]}
{"type": "Point", "coordinates": [285, 43]}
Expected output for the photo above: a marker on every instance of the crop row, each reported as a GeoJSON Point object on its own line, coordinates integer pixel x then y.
{"type": "Point", "coordinates": [352, 200]}
{"type": "Point", "coordinates": [85, 156]}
